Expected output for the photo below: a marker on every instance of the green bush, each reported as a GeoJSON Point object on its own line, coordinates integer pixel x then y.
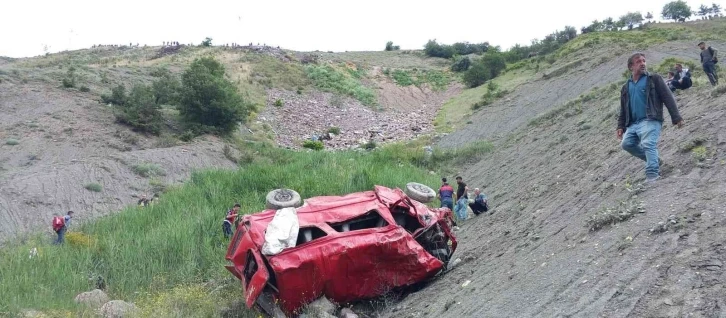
{"type": "Point", "coordinates": [95, 187]}
{"type": "Point", "coordinates": [334, 130]}
{"type": "Point", "coordinates": [279, 102]}
{"type": "Point", "coordinates": [140, 110]}
{"type": "Point", "coordinates": [461, 64]}
{"type": "Point", "coordinates": [70, 80]}
{"type": "Point", "coordinates": [166, 89]}
{"type": "Point", "coordinates": [84, 89]}
{"type": "Point", "coordinates": [148, 170]}
{"type": "Point", "coordinates": [207, 42]}
{"type": "Point", "coordinates": [209, 99]}
{"type": "Point", "coordinates": [12, 142]}
{"type": "Point", "coordinates": [434, 49]}
{"type": "Point", "coordinates": [117, 97]}
{"type": "Point", "coordinates": [391, 47]}
{"type": "Point", "coordinates": [313, 144]}
{"type": "Point", "coordinates": [488, 67]}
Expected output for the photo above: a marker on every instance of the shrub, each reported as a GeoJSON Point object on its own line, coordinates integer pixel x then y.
{"type": "Point", "coordinates": [140, 110]}
{"type": "Point", "coordinates": [209, 99]}
{"type": "Point", "coordinates": [334, 130]}
{"type": "Point", "coordinates": [434, 49]}
{"type": "Point", "coordinates": [207, 42]}
{"type": "Point", "coordinates": [461, 64]}
{"type": "Point", "coordinates": [95, 187]}
{"type": "Point", "coordinates": [391, 47]}
{"type": "Point", "coordinates": [279, 102]}
{"type": "Point", "coordinates": [148, 170]}
{"type": "Point", "coordinates": [85, 89]}
{"type": "Point", "coordinates": [313, 144]}
{"type": "Point", "coordinates": [118, 96]}
{"type": "Point", "coordinates": [490, 66]}
{"type": "Point", "coordinates": [70, 80]}
{"type": "Point", "coordinates": [166, 89]}
{"type": "Point", "coordinates": [370, 145]}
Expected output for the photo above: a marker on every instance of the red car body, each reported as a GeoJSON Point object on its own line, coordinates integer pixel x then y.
{"type": "Point", "coordinates": [349, 248]}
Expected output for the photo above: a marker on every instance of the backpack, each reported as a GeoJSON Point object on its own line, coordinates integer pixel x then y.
{"type": "Point", "coordinates": [58, 223]}
{"type": "Point", "coordinates": [715, 59]}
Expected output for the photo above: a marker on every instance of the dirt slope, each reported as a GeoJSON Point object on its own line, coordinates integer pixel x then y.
{"type": "Point", "coordinates": [536, 256]}
{"type": "Point", "coordinates": [67, 140]}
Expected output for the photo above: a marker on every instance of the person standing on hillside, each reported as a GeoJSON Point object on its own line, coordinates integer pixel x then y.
{"type": "Point", "coordinates": [709, 58]}
{"type": "Point", "coordinates": [462, 199]}
{"type": "Point", "coordinates": [446, 195]}
{"type": "Point", "coordinates": [641, 114]}
{"type": "Point", "coordinates": [229, 219]}
{"type": "Point", "coordinates": [60, 226]}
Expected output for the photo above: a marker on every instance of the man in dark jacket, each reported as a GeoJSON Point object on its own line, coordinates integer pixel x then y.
{"type": "Point", "coordinates": [709, 58]}
{"type": "Point", "coordinates": [681, 79]}
{"type": "Point", "coordinates": [641, 114]}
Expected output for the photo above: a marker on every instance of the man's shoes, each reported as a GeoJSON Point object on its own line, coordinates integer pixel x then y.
{"type": "Point", "coordinates": [650, 180]}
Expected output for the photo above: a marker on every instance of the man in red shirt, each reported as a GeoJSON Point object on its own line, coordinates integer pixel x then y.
{"type": "Point", "coordinates": [229, 219]}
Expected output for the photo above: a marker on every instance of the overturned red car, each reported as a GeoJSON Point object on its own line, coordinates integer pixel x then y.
{"type": "Point", "coordinates": [347, 248]}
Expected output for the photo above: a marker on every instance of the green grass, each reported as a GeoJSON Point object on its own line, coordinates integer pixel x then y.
{"type": "Point", "coordinates": [438, 80]}
{"type": "Point", "coordinates": [148, 170]}
{"type": "Point", "coordinates": [144, 253]}
{"type": "Point", "coordinates": [329, 79]}
{"type": "Point", "coordinates": [12, 142]}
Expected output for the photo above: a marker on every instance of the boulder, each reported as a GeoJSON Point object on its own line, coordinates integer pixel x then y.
{"type": "Point", "coordinates": [347, 313]}
{"type": "Point", "coordinates": [320, 308]}
{"type": "Point", "coordinates": [119, 309]}
{"type": "Point", "coordinates": [93, 299]}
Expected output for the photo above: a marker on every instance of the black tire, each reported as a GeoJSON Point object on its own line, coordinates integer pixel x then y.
{"type": "Point", "coordinates": [282, 198]}
{"type": "Point", "coordinates": [420, 192]}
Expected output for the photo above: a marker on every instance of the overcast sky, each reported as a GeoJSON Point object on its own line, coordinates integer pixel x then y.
{"type": "Point", "coordinates": [27, 26]}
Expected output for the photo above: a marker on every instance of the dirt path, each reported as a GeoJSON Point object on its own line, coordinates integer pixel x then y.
{"type": "Point", "coordinates": [535, 256]}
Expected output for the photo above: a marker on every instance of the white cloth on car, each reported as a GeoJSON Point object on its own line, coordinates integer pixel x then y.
{"type": "Point", "coordinates": [282, 231]}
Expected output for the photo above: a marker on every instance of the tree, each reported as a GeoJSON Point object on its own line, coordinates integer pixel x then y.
{"type": "Point", "coordinates": [437, 50]}
{"type": "Point", "coordinates": [209, 99]}
{"type": "Point", "coordinates": [676, 10]}
{"type": "Point", "coordinates": [649, 16]}
{"type": "Point", "coordinates": [207, 42]}
{"type": "Point", "coordinates": [716, 9]}
{"type": "Point", "coordinates": [391, 47]}
{"type": "Point", "coordinates": [704, 10]}
{"type": "Point", "coordinates": [166, 89]}
{"type": "Point", "coordinates": [488, 67]}
{"type": "Point", "coordinates": [630, 19]}
{"type": "Point", "coordinates": [608, 24]}
{"type": "Point", "coordinates": [461, 64]}
{"type": "Point", "coordinates": [140, 111]}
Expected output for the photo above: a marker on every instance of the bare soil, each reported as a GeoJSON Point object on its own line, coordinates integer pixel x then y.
{"type": "Point", "coordinates": [68, 140]}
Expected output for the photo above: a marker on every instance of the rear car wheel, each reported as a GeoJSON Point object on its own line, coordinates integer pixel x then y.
{"type": "Point", "coordinates": [282, 198]}
{"type": "Point", "coordinates": [420, 192]}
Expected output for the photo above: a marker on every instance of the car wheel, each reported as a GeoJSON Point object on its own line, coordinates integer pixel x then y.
{"type": "Point", "coordinates": [282, 198]}
{"type": "Point", "coordinates": [420, 192]}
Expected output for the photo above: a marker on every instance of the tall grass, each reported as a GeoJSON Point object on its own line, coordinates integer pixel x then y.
{"type": "Point", "coordinates": [145, 252]}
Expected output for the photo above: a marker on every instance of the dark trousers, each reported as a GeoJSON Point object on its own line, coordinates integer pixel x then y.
{"type": "Point", "coordinates": [227, 228]}
{"type": "Point", "coordinates": [710, 69]}
{"type": "Point", "coordinates": [674, 85]}
{"type": "Point", "coordinates": [479, 208]}
{"type": "Point", "coordinates": [61, 236]}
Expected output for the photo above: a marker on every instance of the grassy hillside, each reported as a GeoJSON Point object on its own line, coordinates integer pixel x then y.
{"type": "Point", "coordinates": [598, 47]}
{"type": "Point", "coordinates": [154, 256]}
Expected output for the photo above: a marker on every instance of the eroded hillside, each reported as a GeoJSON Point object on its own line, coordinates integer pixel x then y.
{"type": "Point", "coordinates": [63, 150]}
{"type": "Point", "coordinates": [574, 232]}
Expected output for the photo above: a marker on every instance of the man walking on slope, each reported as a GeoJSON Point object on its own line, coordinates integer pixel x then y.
{"type": "Point", "coordinates": [641, 114]}
{"type": "Point", "coordinates": [709, 59]}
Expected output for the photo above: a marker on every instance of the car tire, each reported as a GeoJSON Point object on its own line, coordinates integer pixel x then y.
{"type": "Point", "coordinates": [420, 192]}
{"type": "Point", "coordinates": [282, 198]}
